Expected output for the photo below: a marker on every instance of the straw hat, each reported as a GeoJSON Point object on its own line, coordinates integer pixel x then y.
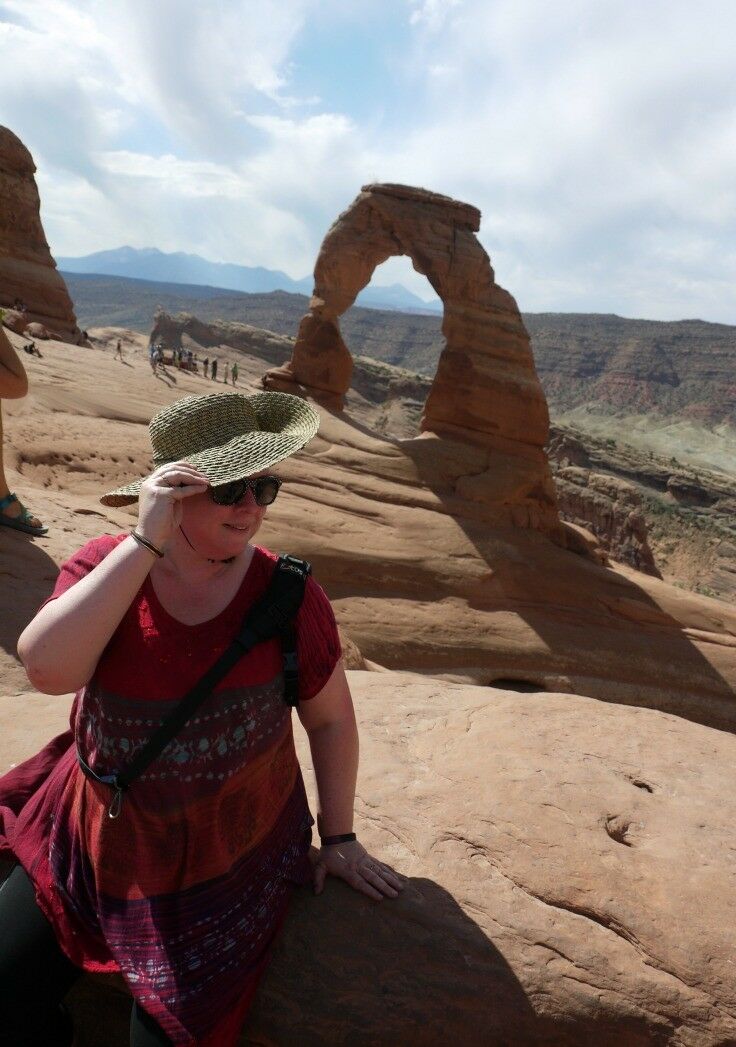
{"type": "Point", "coordinates": [226, 435]}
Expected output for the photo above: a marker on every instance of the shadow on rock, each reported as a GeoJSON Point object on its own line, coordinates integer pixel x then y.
{"type": "Point", "coordinates": [28, 575]}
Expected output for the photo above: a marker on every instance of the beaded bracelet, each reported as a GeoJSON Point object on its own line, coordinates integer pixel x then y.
{"type": "Point", "coordinates": [146, 544]}
{"type": "Point", "coordinates": [328, 841]}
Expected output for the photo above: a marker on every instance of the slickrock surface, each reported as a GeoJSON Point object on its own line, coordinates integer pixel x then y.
{"type": "Point", "coordinates": [570, 879]}
{"type": "Point", "coordinates": [27, 270]}
{"type": "Point", "coordinates": [569, 860]}
{"type": "Point", "coordinates": [486, 389]}
{"type": "Point", "coordinates": [426, 568]}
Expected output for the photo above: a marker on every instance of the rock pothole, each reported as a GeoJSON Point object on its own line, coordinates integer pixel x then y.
{"type": "Point", "coordinates": [621, 829]}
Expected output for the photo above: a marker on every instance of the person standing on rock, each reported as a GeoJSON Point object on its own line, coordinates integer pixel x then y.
{"type": "Point", "coordinates": [235, 372]}
{"type": "Point", "coordinates": [118, 351]}
{"type": "Point", "coordinates": [13, 386]}
{"type": "Point", "coordinates": [205, 366]}
{"type": "Point", "coordinates": [180, 879]}
{"type": "Point", "coordinates": [214, 370]}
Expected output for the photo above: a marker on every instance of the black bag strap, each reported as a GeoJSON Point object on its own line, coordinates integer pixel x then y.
{"type": "Point", "coordinates": [272, 615]}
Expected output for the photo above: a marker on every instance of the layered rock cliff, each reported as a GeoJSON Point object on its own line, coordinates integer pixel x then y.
{"type": "Point", "coordinates": [28, 275]}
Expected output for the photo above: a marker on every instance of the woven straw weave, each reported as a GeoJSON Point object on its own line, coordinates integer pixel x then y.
{"type": "Point", "coordinates": [226, 435]}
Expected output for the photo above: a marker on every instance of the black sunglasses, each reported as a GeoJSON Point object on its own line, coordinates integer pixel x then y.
{"type": "Point", "coordinates": [265, 489]}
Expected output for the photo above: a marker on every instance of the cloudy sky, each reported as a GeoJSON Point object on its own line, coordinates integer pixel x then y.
{"type": "Point", "coordinates": [598, 137]}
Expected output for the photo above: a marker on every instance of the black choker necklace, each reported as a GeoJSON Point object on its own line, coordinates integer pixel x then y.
{"type": "Point", "coordinates": [229, 559]}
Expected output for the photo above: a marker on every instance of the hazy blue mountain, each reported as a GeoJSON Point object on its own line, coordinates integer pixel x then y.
{"type": "Point", "coordinates": [148, 263]}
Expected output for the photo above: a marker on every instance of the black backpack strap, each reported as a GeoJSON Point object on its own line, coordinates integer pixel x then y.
{"type": "Point", "coordinates": [272, 615]}
{"type": "Point", "coordinates": [279, 605]}
{"type": "Point", "coordinates": [289, 658]}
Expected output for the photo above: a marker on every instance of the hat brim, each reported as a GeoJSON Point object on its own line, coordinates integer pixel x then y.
{"type": "Point", "coordinates": [239, 457]}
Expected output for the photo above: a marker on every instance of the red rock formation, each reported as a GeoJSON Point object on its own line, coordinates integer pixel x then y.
{"type": "Point", "coordinates": [611, 509]}
{"type": "Point", "coordinates": [27, 270]}
{"type": "Point", "coordinates": [486, 391]}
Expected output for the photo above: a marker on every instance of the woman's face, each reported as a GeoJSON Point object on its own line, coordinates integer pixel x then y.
{"type": "Point", "coordinates": [220, 531]}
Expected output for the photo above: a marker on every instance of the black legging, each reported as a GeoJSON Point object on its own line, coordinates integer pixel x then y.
{"type": "Point", "coordinates": [35, 976]}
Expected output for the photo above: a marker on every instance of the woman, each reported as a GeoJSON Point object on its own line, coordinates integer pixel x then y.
{"type": "Point", "coordinates": [13, 386]}
{"type": "Point", "coordinates": [185, 890]}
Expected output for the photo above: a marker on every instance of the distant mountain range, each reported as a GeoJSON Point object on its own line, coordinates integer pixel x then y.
{"type": "Point", "coordinates": [148, 263]}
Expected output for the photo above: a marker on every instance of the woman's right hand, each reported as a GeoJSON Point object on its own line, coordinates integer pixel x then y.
{"type": "Point", "coordinates": [160, 498]}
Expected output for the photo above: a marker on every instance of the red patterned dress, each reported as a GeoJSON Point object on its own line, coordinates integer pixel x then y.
{"type": "Point", "coordinates": [186, 890]}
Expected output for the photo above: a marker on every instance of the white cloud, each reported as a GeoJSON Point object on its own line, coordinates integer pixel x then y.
{"type": "Point", "coordinates": [599, 140]}
{"type": "Point", "coordinates": [581, 132]}
{"type": "Point", "coordinates": [431, 13]}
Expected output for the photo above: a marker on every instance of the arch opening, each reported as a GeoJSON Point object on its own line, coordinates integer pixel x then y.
{"type": "Point", "coordinates": [396, 341]}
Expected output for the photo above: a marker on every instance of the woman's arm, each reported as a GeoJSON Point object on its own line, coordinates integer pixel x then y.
{"type": "Point", "coordinates": [62, 645]}
{"type": "Point", "coordinates": [329, 720]}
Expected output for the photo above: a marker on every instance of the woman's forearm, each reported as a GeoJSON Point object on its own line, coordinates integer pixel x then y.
{"type": "Point", "coordinates": [60, 648]}
{"type": "Point", "coordinates": [334, 749]}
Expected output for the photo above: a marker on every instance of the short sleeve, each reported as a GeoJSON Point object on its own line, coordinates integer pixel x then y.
{"type": "Point", "coordinates": [82, 562]}
{"type": "Point", "coordinates": [318, 641]}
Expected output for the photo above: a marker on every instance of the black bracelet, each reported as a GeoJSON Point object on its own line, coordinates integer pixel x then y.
{"type": "Point", "coordinates": [328, 841]}
{"type": "Point", "coordinates": [146, 544]}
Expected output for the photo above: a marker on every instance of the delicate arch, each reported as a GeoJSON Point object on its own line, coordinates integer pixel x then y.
{"type": "Point", "coordinates": [486, 387]}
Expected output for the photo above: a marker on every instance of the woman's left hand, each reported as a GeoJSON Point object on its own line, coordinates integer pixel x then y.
{"type": "Point", "coordinates": [352, 863]}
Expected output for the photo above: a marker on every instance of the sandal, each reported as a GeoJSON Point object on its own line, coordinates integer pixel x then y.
{"type": "Point", "coordinates": [21, 522]}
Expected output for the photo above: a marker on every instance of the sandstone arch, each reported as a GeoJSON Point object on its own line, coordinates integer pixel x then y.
{"type": "Point", "coordinates": [486, 388]}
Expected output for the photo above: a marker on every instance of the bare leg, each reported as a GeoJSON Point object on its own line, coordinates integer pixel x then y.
{"type": "Point", "coordinates": [13, 386]}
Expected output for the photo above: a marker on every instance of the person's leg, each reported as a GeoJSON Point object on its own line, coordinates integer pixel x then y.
{"type": "Point", "coordinates": [144, 1031]}
{"type": "Point", "coordinates": [13, 377]}
{"type": "Point", "coordinates": [35, 975]}
{"type": "Point", "coordinates": [13, 386]}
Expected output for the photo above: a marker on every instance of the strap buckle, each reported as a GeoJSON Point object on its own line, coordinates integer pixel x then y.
{"type": "Point", "coordinates": [116, 805]}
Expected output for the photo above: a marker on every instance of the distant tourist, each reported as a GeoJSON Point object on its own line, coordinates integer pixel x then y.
{"type": "Point", "coordinates": [13, 386]}
{"type": "Point", "coordinates": [118, 351]}
{"type": "Point", "coordinates": [205, 365]}
{"type": "Point", "coordinates": [214, 370]}
{"type": "Point", "coordinates": [226, 372]}
{"type": "Point", "coordinates": [235, 373]}
{"type": "Point", "coordinates": [152, 357]}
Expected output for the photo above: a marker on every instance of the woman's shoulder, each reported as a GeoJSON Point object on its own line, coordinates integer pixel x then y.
{"type": "Point", "coordinates": [96, 549]}
{"type": "Point", "coordinates": [315, 607]}
{"type": "Point", "coordinates": [85, 560]}
{"type": "Point", "coordinates": [313, 592]}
